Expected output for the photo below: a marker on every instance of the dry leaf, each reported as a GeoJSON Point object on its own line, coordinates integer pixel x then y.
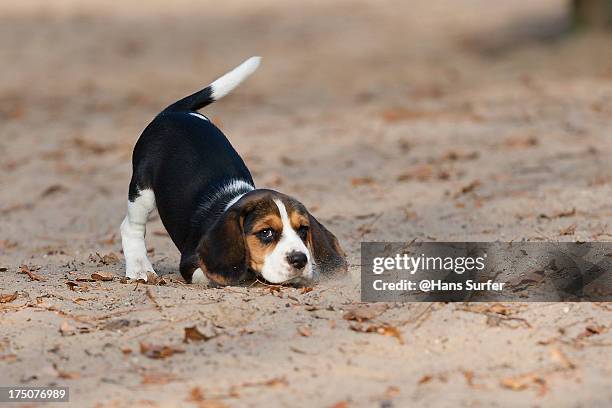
{"type": "Point", "coordinates": [25, 269]}
{"type": "Point", "coordinates": [592, 331]}
{"type": "Point", "coordinates": [392, 391]}
{"type": "Point", "coordinates": [364, 312]}
{"type": "Point", "coordinates": [384, 329]}
{"type": "Point", "coordinates": [193, 334]}
{"type": "Point", "coordinates": [469, 379]}
{"type": "Point", "coordinates": [362, 181]}
{"type": "Point", "coordinates": [558, 356]}
{"type": "Point", "coordinates": [399, 114]}
{"type": "Point", "coordinates": [55, 188]}
{"type": "Point", "coordinates": [9, 358]}
{"type": "Point", "coordinates": [425, 379]}
{"type": "Point", "coordinates": [468, 188]}
{"type": "Point", "coordinates": [304, 331]}
{"type": "Point", "coordinates": [521, 141]}
{"type": "Point", "coordinates": [8, 297]}
{"type": "Point", "coordinates": [340, 404]}
{"type": "Point", "coordinates": [77, 286]}
{"type": "Point", "coordinates": [571, 230]}
{"type": "Point", "coordinates": [422, 172]}
{"type": "Point", "coordinates": [496, 308]}
{"type": "Point", "coordinates": [562, 214]}
{"type": "Point", "coordinates": [306, 290]}
{"type": "Point", "coordinates": [67, 330]}
{"type": "Point", "coordinates": [108, 259]}
{"type": "Point", "coordinates": [196, 395]}
{"type": "Point", "coordinates": [66, 375]}
{"type": "Point", "coordinates": [157, 378]}
{"type": "Point", "coordinates": [158, 352]}
{"type": "Point", "coordinates": [522, 382]}
{"type": "Point", "coordinates": [102, 276]}
{"type": "Point", "coordinates": [154, 279]}
{"type": "Point", "coordinates": [272, 382]}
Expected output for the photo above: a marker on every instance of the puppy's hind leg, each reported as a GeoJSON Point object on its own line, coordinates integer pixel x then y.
{"type": "Point", "coordinates": [133, 229]}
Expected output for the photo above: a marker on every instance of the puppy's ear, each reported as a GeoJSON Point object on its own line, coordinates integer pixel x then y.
{"type": "Point", "coordinates": [223, 256]}
{"type": "Point", "coordinates": [327, 252]}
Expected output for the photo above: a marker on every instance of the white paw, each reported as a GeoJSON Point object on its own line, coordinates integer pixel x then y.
{"type": "Point", "coordinates": [199, 278]}
{"type": "Point", "coordinates": [140, 269]}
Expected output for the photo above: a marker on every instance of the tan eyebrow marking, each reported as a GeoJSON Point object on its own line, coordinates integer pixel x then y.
{"type": "Point", "coordinates": [270, 221]}
{"type": "Point", "coordinates": [297, 220]}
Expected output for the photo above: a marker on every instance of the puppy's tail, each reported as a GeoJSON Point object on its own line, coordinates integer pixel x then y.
{"type": "Point", "coordinates": [216, 90]}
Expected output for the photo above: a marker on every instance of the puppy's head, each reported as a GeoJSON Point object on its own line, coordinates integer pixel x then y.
{"type": "Point", "coordinates": [270, 235]}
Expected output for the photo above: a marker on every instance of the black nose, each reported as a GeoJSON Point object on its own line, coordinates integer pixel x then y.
{"type": "Point", "coordinates": [297, 259]}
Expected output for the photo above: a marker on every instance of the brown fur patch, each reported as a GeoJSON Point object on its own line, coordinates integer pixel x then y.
{"type": "Point", "coordinates": [214, 277]}
{"type": "Point", "coordinates": [297, 219]}
{"type": "Point", "coordinates": [270, 221]}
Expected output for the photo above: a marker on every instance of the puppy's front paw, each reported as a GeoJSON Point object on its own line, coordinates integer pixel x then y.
{"type": "Point", "coordinates": [140, 269]}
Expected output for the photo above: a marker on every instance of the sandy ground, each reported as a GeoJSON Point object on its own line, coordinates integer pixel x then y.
{"type": "Point", "coordinates": [391, 120]}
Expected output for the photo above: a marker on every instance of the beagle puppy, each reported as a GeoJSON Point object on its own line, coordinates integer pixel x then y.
{"type": "Point", "coordinates": [228, 231]}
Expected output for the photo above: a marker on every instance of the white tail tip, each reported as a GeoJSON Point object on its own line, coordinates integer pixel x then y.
{"type": "Point", "coordinates": [232, 79]}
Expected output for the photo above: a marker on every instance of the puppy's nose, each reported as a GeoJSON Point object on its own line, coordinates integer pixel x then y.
{"type": "Point", "coordinates": [297, 259]}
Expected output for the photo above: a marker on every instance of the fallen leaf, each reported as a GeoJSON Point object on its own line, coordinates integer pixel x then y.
{"type": "Point", "coordinates": [592, 331]}
{"type": "Point", "coordinates": [496, 308]}
{"type": "Point", "coordinates": [25, 269]}
{"type": "Point", "coordinates": [304, 331]}
{"type": "Point", "coordinates": [157, 378]}
{"type": "Point", "coordinates": [562, 214]}
{"type": "Point", "coordinates": [197, 396]}
{"type": "Point", "coordinates": [193, 334]}
{"type": "Point", "coordinates": [384, 329]}
{"type": "Point", "coordinates": [521, 141]}
{"type": "Point", "coordinates": [53, 189]}
{"type": "Point", "coordinates": [571, 230]}
{"type": "Point", "coordinates": [272, 382]}
{"type": "Point", "coordinates": [66, 375]}
{"type": "Point", "coordinates": [558, 356]}
{"type": "Point", "coordinates": [424, 379]}
{"type": "Point", "coordinates": [8, 297]}
{"type": "Point", "coordinates": [460, 156]}
{"type": "Point", "coordinates": [469, 379]}
{"type": "Point", "coordinates": [421, 172]}
{"type": "Point", "coordinates": [468, 188]}
{"type": "Point", "coordinates": [397, 114]}
{"type": "Point", "coordinates": [155, 279]}
{"type": "Point", "coordinates": [392, 391]}
{"type": "Point", "coordinates": [524, 381]}
{"type": "Point", "coordinates": [364, 312]}
{"type": "Point", "coordinates": [107, 259]}
{"type": "Point", "coordinates": [158, 352]}
{"type": "Point", "coordinates": [67, 330]}
{"type": "Point", "coordinates": [362, 181]}
{"type": "Point", "coordinates": [305, 290]}
{"type": "Point", "coordinates": [340, 404]}
{"type": "Point", "coordinates": [102, 276]}
{"type": "Point", "coordinates": [9, 358]}
{"type": "Point", "coordinates": [77, 286]}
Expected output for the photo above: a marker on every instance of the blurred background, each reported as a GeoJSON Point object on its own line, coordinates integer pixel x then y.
{"type": "Point", "coordinates": [394, 110]}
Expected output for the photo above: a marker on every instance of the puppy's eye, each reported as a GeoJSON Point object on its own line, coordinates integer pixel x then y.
{"type": "Point", "coordinates": [265, 235]}
{"type": "Point", "coordinates": [303, 232]}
